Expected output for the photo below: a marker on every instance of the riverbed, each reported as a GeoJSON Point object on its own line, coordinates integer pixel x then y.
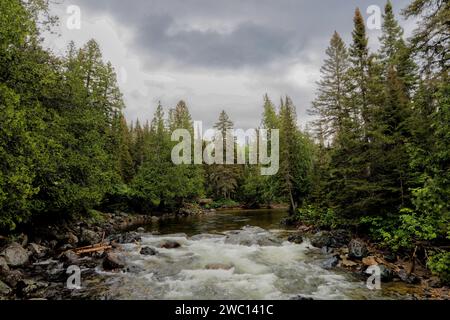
{"type": "Point", "coordinates": [211, 264]}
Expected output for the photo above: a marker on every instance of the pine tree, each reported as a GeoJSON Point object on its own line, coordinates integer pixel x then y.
{"type": "Point", "coordinates": [330, 106]}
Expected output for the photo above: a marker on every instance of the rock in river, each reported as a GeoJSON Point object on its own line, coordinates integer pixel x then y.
{"type": "Point", "coordinates": [112, 262]}
{"type": "Point", "coordinates": [218, 266]}
{"type": "Point", "coordinates": [15, 255]}
{"type": "Point", "coordinates": [250, 236]}
{"type": "Point", "coordinates": [331, 262]}
{"type": "Point", "coordinates": [147, 251]}
{"type": "Point", "coordinates": [169, 244]}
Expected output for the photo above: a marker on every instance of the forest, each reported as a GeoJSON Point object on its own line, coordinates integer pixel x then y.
{"type": "Point", "coordinates": [376, 159]}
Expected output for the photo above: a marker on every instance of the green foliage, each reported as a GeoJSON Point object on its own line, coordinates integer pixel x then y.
{"type": "Point", "coordinates": [321, 217]}
{"type": "Point", "coordinates": [439, 264]}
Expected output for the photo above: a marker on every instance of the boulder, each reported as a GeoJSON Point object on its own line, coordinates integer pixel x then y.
{"type": "Point", "coordinates": [112, 262]}
{"type": "Point", "coordinates": [37, 251]}
{"type": "Point", "coordinates": [15, 255]}
{"type": "Point", "coordinates": [321, 239]}
{"type": "Point", "coordinates": [28, 286]}
{"type": "Point", "coordinates": [140, 230]}
{"type": "Point", "coordinates": [127, 237]}
{"type": "Point", "coordinates": [331, 262]}
{"type": "Point", "coordinates": [408, 278]}
{"type": "Point", "coordinates": [4, 268]}
{"type": "Point", "coordinates": [72, 239]}
{"type": "Point", "coordinates": [169, 244]}
{"type": "Point", "coordinates": [70, 258]}
{"type": "Point", "coordinates": [357, 249]}
{"type": "Point", "coordinates": [218, 266]}
{"type": "Point", "coordinates": [12, 278]}
{"type": "Point", "coordinates": [89, 237]}
{"type": "Point", "coordinates": [250, 236]}
{"type": "Point", "coordinates": [296, 238]}
{"type": "Point", "coordinates": [332, 239]}
{"type": "Point", "coordinates": [4, 289]}
{"type": "Point", "coordinates": [148, 251]}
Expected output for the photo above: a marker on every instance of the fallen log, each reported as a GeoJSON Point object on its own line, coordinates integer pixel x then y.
{"type": "Point", "coordinates": [93, 248]}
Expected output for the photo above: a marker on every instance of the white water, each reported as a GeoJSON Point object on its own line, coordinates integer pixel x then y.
{"type": "Point", "coordinates": [258, 272]}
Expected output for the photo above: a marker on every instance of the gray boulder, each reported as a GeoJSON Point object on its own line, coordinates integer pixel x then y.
{"type": "Point", "coordinates": [15, 255]}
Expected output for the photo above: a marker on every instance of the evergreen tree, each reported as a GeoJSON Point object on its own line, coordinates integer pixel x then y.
{"type": "Point", "coordinates": [330, 106]}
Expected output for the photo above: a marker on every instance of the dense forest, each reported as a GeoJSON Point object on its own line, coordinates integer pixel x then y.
{"type": "Point", "coordinates": [377, 160]}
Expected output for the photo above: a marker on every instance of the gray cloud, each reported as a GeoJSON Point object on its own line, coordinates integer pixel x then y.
{"type": "Point", "coordinates": [218, 54]}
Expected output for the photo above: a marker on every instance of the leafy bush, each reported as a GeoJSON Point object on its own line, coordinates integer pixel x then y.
{"type": "Point", "coordinates": [320, 217]}
{"type": "Point", "coordinates": [439, 264]}
{"type": "Point", "coordinates": [224, 203]}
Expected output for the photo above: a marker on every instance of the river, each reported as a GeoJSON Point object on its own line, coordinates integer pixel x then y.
{"type": "Point", "coordinates": [210, 266]}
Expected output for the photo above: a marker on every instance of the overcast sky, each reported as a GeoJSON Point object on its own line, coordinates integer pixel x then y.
{"type": "Point", "coordinates": [214, 54]}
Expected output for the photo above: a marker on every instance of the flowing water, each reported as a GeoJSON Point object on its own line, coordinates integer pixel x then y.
{"type": "Point", "coordinates": [217, 262]}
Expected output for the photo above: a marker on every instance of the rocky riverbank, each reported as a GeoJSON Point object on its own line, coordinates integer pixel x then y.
{"type": "Point", "coordinates": [358, 255]}
{"type": "Point", "coordinates": [34, 264]}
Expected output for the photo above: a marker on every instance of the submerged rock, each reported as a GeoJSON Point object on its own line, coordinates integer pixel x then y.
{"type": "Point", "coordinates": [15, 255]}
{"type": "Point", "coordinates": [250, 236]}
{"type": "Point", "coordinates": [218, 266]}
{"type": "Point", "coordinates": [169, 244]}
{"type": "Point", "coordinates": [147, 251]}
{"type": "Point", "coordinates": [357, 249]}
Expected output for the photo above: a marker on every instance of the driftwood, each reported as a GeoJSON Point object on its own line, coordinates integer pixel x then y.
{"type": "Point", "coordinates": [102, 246]}
{"type": "Point", "coordinates": [94, 248]}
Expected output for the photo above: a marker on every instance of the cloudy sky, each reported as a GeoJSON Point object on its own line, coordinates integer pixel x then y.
{"type": "Point", "coordinates": [214, 54]}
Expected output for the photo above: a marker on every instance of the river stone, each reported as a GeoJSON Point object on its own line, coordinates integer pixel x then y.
{"type": "Point", "coordinates": [4, 268]}
{"type": "Point", "coordinates": [89, 237]}
{"type": "Point", "coordinates": [331, 262]}
{"type": "Point", "coordinates": [357, 249]}
{"type": "Point", "coordinates": [37, 250]}
{"type": "Point", "coordinates": [15, 255]}
{"type": "Point", "coordinates": [128, 237]}
{"type": "Point", "coordinates": [169, 244]}
{"type": "Point", "coordinates": [408, 278]}
{"type": "Point", "coordinates": [112, 262]}
{"type": "Point", "coordinates": [296, 238]}
{"type": "Point", "coordinates": [12, 278]}
{"type": "Point", "coordinates": [250, 236]}
{"type": "Point", "coordinates": [218, 266]}
{"type": "Point", "coordinates": [28, 286]}
{"type": "Point", "coordinates": [147, 251]}
{"type": "Point", "coordinates": [4, 289]}
{"type": "Point", "coordinates": [72, 238]}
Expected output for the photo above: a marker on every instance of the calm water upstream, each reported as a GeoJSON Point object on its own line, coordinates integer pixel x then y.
{"type": "Point", "coordinates": [216, 262]}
